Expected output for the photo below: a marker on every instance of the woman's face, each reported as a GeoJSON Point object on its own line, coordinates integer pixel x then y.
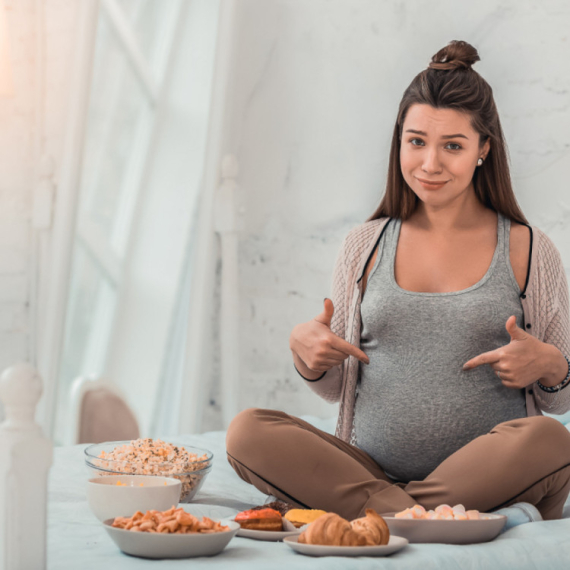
{"type": "Point", "coordinates": [429, 153]}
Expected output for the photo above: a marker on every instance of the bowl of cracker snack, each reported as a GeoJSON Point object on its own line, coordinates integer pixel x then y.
{"type": "Point", "coordinates": [190, 465]}
{"type": "Point", "coordinates": [116, 495]}
{"type": "Point", "coordinates": [174, 533]}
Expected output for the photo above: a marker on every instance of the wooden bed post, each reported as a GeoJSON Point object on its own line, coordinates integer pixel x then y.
{"type": "Point", "coordinates": [26, 456]}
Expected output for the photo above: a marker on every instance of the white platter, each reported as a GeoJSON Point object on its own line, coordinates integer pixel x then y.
{"type": "Point", "coordinates": [153, 545]}
{"type": "Point", "coordinates": [394, 544]}
{"type": "Point", "coordinates": [447, 532]}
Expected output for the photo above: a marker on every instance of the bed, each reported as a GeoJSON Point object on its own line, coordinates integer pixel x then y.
{"type": "Point", "coordinates": [77, 540]}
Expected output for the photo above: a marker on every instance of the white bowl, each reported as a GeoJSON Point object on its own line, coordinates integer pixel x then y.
{"type": "Point", "coordinates": [447, 531]}
{"type": "Point", "coordinates": [158, 545]}
{"type": "Point", "coordinates": [142, 493]}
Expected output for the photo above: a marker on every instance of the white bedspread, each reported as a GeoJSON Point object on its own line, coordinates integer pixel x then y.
{"type": "Point", "coordinates": [77, 540]}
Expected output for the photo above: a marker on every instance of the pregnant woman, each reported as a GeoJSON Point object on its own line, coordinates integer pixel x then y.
{"type": "Point", "coordinates": [446, 337]}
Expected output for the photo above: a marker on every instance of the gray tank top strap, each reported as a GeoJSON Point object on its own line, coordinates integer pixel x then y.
{"type": "Point", "coordinates": [506, 252]}
{"type": "Point", "coordinates": [389, 247]}
{"type": "Point", "coordinates": [503, 236]}
{"type": "Point", "coordinates": [503, 227]}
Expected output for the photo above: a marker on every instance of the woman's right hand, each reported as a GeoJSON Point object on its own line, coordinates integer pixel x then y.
{"type": "Point", "coordinates": [316, 349]}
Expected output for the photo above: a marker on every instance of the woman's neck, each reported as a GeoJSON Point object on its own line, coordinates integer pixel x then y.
{"type": "Point", "coordinates": [460, 215]}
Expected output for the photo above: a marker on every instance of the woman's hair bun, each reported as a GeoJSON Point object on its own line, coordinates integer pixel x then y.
{"type": "Point", "coordinates": [455, 55]}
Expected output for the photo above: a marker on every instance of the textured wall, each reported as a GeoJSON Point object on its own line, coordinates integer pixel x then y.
{"type": "Point", "coordinates": [314, 102]}
{"type": "Point", "coordinates": [32, 124]}
{"type": "Point", "coordinates": [16, 158]}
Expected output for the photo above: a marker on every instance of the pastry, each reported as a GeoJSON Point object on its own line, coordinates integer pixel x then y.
{"type": "Point", "coordinates": [300, 517]}
{"type": "Point", "coordinates": [280, 506]}
{"type": "Point", "coordinates": [373, 527]}
{"type": "Point", "coordinates": [332, 530]}
{"type": "Point", "coordinates": [262, 519]}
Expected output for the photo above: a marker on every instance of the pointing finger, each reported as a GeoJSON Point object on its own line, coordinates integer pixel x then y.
{"type": "Point", "coordinates": [349, 349]}
{"type": "Point", "coordinates": [485, 358]}
{"type": "Point", "coordinates": [335, 353]}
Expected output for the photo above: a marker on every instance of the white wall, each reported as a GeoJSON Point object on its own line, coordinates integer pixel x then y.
{"type": "Point", "coordinates": [31, 125]}
{"type": "Point", "coordinates": [16, 155]}
{"type": "Point", "coordinates": [314, 103]}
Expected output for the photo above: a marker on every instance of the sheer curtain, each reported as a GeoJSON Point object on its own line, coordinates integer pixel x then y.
{"type": "Point", "coordinates": [166, 415]}
{"type": "Point", "coordinates": [141, 169]}
{"type": "Point", "coordinates": [186, 369]}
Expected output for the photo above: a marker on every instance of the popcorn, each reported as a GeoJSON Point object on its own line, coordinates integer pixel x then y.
{"type": "Point", "coordinates": [155, 457]}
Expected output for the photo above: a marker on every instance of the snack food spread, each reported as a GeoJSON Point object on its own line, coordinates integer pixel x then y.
{"type": "Point", "coordinates": [261, 519]}
{"type": "Point", "coordinates": [172, 521]}
{"type": "Point", "coordinates": [442, 512]}
{"type": "Point", "coordinates": [331, 529]}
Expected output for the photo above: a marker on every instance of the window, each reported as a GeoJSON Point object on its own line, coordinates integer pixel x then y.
{"type": "Point", "coordinates": [135, 45]}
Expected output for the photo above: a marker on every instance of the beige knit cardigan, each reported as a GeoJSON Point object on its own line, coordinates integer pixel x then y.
{"type": "Point", "coordinates": [545, 309]}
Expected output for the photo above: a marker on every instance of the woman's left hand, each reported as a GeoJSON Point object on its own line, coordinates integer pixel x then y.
{"type": "Point", "coordinates": [523, 361]}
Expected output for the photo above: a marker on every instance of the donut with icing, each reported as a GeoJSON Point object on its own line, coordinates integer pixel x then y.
{"type": "Point", "coordinates": [262, 519]}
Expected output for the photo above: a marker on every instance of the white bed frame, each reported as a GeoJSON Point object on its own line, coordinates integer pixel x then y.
{"type": "Point", "coordinates": [26, 459]}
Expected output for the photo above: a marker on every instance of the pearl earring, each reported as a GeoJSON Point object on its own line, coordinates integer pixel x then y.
{"type": "Point", "coordinates": [480, 162]}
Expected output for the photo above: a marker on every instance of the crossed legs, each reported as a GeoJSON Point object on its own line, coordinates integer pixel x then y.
{"type": "Point", "coordinates": [527, 459]}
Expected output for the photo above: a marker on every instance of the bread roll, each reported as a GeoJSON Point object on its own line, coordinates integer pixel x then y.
{"type": "Point", "coordinates": [331, 530]}
{"type": "Point", "coordinates": [373, 527]}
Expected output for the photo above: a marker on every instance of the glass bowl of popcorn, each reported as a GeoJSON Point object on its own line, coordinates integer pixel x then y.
{"type": "Point", "coordinates": [190, 465]}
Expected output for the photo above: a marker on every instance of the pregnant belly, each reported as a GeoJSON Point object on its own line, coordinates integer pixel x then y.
{"type": "Point", "coordinates": [409, 444]}
{"type": "Point", "coordinates": [404, 450]}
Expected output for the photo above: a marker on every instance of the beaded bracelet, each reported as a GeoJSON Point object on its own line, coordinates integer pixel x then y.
{"type": "Point", "coordinates": [558, 387]}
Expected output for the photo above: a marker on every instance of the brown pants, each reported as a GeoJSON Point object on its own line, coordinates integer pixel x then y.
{"type": "Point", "coordinates": [527, 459]}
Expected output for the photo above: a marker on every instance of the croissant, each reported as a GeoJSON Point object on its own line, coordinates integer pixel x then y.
{"type": "Point", "coordinates": [373, 527]}
{"type": "Point", "coordinates": [332, 530]}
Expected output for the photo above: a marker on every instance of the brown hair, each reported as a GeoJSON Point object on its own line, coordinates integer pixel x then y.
{"type": "Point", "coordinates": [449, 82]}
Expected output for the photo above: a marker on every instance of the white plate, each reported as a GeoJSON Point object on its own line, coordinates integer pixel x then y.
{"type": "Point", "coordinates": [394, 544]}
{"type": "Point", "coordinates": [447, 532]}
{"type": "Point", "coordinates": [267, 535]}
{"type": "Point", "coordinates": [154, 545]}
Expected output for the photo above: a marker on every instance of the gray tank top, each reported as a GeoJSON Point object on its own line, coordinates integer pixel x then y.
{"type": "Point", "coordinates": [415, 405]}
